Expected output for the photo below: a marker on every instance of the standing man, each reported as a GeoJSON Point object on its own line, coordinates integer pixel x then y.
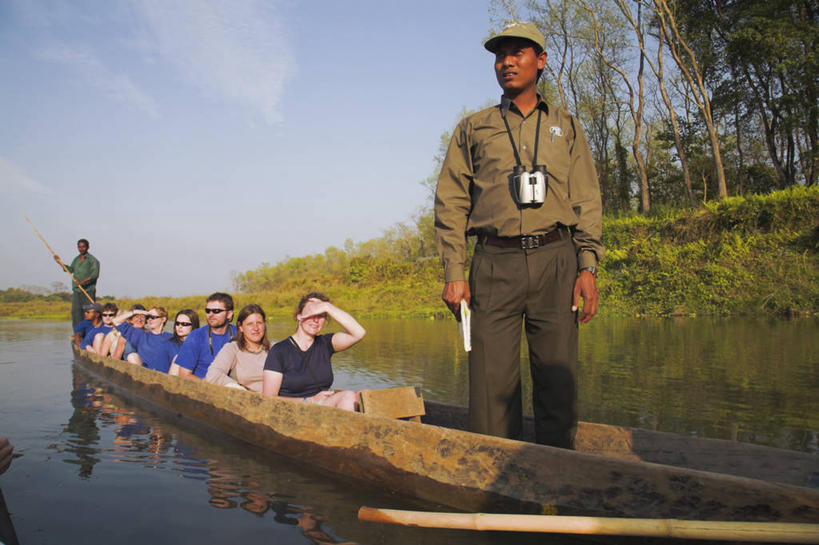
{"type": "Point", "coordinates": [520, 176]}
{"type": "Point", "coordinates": [203, 344]}
{"type": "Point", "coordinates": [85, 269]}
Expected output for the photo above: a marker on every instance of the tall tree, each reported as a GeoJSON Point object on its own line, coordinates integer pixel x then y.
{"type": "Point", "coordinates": [635, 89]}
{"type": "Point", "coordinates": [772, 47]}
{"type": "Point", "coordinates": [693, 71]}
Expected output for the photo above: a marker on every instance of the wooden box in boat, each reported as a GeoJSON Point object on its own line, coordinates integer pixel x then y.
{"type": "Point", "coordinates": [615, 471]}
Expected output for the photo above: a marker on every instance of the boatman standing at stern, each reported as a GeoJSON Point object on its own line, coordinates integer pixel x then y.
{"type": "Point", "coordinates": [520, 176]}
{"type": "Point", "coordinates": [85, 269]}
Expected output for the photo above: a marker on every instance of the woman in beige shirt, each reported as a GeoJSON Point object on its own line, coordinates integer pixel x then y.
{"type": "Point", "coordinates": [240, 363]}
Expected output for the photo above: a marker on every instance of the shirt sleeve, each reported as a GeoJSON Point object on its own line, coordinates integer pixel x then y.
{"type": "Point", "coordinates": [221, 365]}
{"type": "Point", "coordinates": [88, 339]}
{"type": "Point", "coordinates": [586, 201]}
{"type": "Point", "coordinates": [327, 341]}
{"type": "Point", "coordinates": [94, 269]}
{"type": "Point", "coordinates": [274, 360]}
{"type": "Point", "coordinates": [453, 204]}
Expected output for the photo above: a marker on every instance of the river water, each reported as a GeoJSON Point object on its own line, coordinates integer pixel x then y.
{"type": "Point", "coordinates": [95, 466]}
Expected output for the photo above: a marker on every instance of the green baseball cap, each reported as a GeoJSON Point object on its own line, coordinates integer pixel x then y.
{"type": "Point", "coordinates": [526, 31]}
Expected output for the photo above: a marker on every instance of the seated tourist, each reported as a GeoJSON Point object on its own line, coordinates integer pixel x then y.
{"type": "Point", "coordinates": [114, 345]}
{"type": "Point", "coordinates": [186, 321]}
{"type": "Point", "coordinates": [298, 367]}
{"type": "Point", "coordinates": [137, 319]}
{"type": "Point", "coordinates": [91, 313]}
{"type": "Point", "coordinates": [204, 343]}
{"type": "Point", "coordinates": [149, 344]}
{"type": "Point", "coordinates": [117, 346]}
{"type": "Point", "coordinates": [244, 356]}
{"type": "Point", "coordinates": [109, 310]}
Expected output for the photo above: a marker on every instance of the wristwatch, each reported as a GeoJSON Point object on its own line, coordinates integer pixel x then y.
{"type": "Point", "coordinates": [592, 270]}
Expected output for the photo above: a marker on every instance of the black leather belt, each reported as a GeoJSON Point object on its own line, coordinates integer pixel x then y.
{"type": "Point", "coordinates": [525, 242]}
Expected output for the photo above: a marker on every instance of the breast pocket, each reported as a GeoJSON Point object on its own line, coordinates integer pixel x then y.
{"type": "Point", "coordinates": [558, 160]}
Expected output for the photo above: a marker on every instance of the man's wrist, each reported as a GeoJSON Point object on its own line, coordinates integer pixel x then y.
{"type": "Point", "coordinates": [592, 269]}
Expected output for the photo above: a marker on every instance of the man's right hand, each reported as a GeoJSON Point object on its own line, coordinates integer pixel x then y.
{"type": "Point", "coordinates": [58, 260]}
{"type": "Point", "coordinates": [453, 293]}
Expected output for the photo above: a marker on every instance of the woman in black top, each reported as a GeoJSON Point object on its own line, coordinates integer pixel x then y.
{"type": "Point", "coordinates": [298, 368]}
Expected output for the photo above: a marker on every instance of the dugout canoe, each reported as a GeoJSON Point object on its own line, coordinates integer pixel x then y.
{"type": "Point", "coordinates": [615, 471]}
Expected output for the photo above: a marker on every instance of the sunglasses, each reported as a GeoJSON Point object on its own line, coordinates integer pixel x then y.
{"type": "Point", "coordinates": [151, 317]}
{"type": "Point", "coordinates": [215, 310]}
{"type": "Point", "coordinates": [182, 324]}
{"type": "Point", "coordinates": [109, 314]}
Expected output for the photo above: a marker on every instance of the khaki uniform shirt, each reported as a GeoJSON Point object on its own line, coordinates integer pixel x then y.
{"type": "Point", "coordinates": [474, 196]}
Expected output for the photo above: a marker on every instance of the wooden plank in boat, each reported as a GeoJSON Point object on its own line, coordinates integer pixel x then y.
{"type": "Point", "coordinates": [403, 402]}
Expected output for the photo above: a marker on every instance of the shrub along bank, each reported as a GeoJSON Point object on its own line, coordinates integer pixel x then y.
{"type": "Point", "coordinates": [742, 255]}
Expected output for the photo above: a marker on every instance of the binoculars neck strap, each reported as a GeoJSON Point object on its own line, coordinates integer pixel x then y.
{"type": "Point", "coordinates": [512, 140]}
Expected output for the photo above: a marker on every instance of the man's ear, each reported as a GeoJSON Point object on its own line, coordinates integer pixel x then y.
{"type": "Point", "coordinates": [541, 60]}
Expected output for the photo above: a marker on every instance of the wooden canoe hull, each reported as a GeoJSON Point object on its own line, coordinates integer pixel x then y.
{"type": "Point", "coordinates": [459, 469]}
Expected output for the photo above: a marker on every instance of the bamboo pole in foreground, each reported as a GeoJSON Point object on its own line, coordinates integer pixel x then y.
{"type": "Point", "coordinates": [73, 280]}
{"type": "Point", "coordinates": [766, 532]}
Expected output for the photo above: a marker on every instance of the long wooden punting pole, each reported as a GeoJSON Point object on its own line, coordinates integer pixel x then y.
{"type": "Point", "coordinates": [73, 280]}
{"type": "Point", "coordinates": [768, 532]}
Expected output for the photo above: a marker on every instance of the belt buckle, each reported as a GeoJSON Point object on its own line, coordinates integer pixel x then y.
{"type": "Point", "coordinates": [529, 242]}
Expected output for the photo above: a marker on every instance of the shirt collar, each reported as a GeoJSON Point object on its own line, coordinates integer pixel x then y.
{"type": "Point", "coordinates": [507, 104]}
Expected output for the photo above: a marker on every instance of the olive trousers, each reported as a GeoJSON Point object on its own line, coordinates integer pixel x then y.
{"type": "Point", "coordinates": [534, 287]}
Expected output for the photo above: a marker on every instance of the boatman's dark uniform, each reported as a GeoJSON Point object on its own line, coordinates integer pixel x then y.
{"type": "Point", "coordinates": [526, 260]}
{"type": "Point", "coordinates": [83, 268]}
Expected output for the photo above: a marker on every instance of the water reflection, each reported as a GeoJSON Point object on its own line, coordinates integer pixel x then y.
{"type": "Point", "coordinates": [148, 442]}
{"type": "Point", "coordinates": [228, 491]}
{"type": "Point", "coordinates": [297, 504]}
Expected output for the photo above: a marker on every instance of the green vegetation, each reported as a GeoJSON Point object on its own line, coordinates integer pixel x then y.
{"type": "Point", "coordinates": [737, 256]}
{"type": "Point", "coordinates": [742, 255]}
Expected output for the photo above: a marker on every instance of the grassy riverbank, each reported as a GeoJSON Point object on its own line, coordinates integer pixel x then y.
{"type": "Point", "coordinates": [742, 255]}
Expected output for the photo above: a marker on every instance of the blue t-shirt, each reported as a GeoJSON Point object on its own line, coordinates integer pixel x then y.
{"type": "Point", "coordinates": [286, 357]}
{"type": "Point", "coordinates": [199, 349]}
{"type": "Point", "coordinates": [84, 327]}
{"type": "Point", "coordinates": [170, 348]}
{"type": "Point", "coordinates": [88, 340]}
{"type": "Point", "coordinates": [149, 346]}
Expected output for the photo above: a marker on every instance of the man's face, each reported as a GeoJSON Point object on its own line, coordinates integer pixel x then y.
{"type": "Point", "coordinates": [216, 314]}
{"type": "Point", "coordinates": [82, 247]}
{"type": "Point", "coordinates": [516, 65]}
{"type": "Point", "coordinates": [108, 317]}
{"type": "Point", "coordinates": [90, 315]}
{"type": "Point", "coordinates": [137, 321]}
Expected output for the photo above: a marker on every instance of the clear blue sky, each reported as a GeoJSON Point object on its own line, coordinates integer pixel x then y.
{"type": "Point", "coordinates": [190, 139]}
